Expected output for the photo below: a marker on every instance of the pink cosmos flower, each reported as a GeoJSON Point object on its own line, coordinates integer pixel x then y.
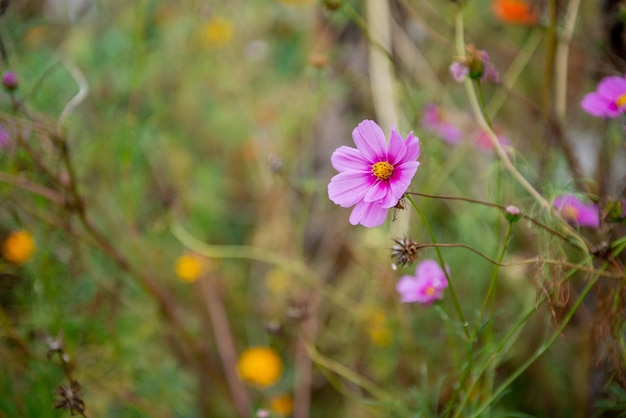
{"type": "Point", "coordinates": [609, 100]}
{"type": "Point", "coordinates": [433, 119]}
{"type": "Point", "coordinates": [426, 286]}
{"type": "Point", "coordinates": [576, 212]}
{"type": "Point", "coordinates": [373, 176]}
{"type": "Point", "coordinates": [483, 142]}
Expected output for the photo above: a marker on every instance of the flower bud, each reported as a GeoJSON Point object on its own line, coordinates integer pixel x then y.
{"type": "Point", "coordinates": [9, 80]}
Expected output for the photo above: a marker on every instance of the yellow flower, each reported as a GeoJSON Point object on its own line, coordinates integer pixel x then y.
{"type": "Point", "coordinates": [218, 31]}
{"type": "Point", "coordinates": [260, 366]}
{"type": "Point", "coordinates": [378, 329]}
{"type": "Point", "coordinates": [189, 267]}
{"type": "Point", "coordinates": [18, 247]}
{"type": "Point", "coordinates": [281, 405]}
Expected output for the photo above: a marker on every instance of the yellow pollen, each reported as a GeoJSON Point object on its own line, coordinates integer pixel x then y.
{"type": "Point", "coordinates": [621, 100]}
{"type": "Point", "coordinates": [430, 290]}
{"type": "Point", "coordinates": [569, 213]}
{"type": "Point", "coordinates": [382, 170]}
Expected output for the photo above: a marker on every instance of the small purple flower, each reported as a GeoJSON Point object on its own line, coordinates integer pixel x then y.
{"type": "Point", "coordinates": [433, 119]}
{"type": "Point", "coordinates": [426, 286]}
{"type": "Point", "coordinates": [476, 65]}
{"type": "Point", "coordinates": [576, 212]}
{"type": "Point", "coordinates": [10, 80]}
{"type": "Point", "coordinates": [373, 176]}
{"type": "Point", "coordinates": [609, 100]}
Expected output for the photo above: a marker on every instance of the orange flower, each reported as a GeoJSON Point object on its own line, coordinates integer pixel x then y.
{"type": "Point", "coordinates": [281, 405]}
{"type": "Point", "coordinates": [18, 247]}
{"type": "Point", "coordinates": [260, 366]}
{"type": "Point", "coordinates": [519, 12]}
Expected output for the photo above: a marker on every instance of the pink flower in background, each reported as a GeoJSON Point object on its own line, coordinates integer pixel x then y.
{"type": "Point", "coordinates": [433, 120]}
{"type": "Point", "coordinates": [483, 142]}
{"type": "Point", "coordinates": [373, 176]}
{"type": "Point", "coordinates": [426, 286]}
{"type": "Point", "coordinates": [576, 212]}
{"type": "Point", "coordinates": [609, 100]}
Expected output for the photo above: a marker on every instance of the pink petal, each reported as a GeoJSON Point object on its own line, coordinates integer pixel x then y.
{"type": "Point", "coordinates": [348, 158]}
{"type": "Point", "coordinates": [612, 87]}
{"type": "Point", "coordinates": [409, 289]}
{"type": "Point", "coordinates": [402, 176]}
{"type": "Point", "coordinates": [348, 188]}
{"type": "Point", "coordinates": [368, 214]}
{"type": "Point", "coordinates": [397, 148]}
{"type": "Point", "coordinates": [595, 105]}
{"type": "Point", "coordinates": [370, 140]}
{"type": "Point", "coordinates": [412, 148]}
{"type": "Point", "coordinates": [379, 193]}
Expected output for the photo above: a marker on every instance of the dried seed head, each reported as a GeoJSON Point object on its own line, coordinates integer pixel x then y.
{"type": "Point", "coordinates": [69, 398]}
{"type": "Point", "coordinates": [405, 251]}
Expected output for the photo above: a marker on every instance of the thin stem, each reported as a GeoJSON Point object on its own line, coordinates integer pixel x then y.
{"type": "Point", "coordinates": [494, 276]}
{"type": "Point", "coordinates": [460, 45]}
{"type": "Point", "coordinates": [481, 101]}
{"type": "Point", "coordinates": [495, 205]}
{"type": "Point", "coordinates": [455, 300]}
{"type": "Point", "coordinates": [496, 394]}
{"type": "Point", "coordinates": [225, 344]}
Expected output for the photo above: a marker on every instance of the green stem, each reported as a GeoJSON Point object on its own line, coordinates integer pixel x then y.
{"type": "Point", "coordinates": [494, 276]}
{"type": "Point", "coordinates": [455, 300]}
{"type": "Point", "coordinates": [498, 392]}
{"type": "Point", "coordinates": [481, 101]}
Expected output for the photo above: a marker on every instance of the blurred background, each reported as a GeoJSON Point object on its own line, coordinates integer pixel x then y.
{"type": "Point", "coordinates": [185, 217]}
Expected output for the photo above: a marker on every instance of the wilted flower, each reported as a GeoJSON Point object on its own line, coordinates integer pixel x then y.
{"type": "Point", "coordinates": [426, 286]}
{"type": "Point", "coordinates": [18, 247]}
{"type": "Point", "coordinates": [10, 80]}
{"type": "Point", "coordinates": [69, 398]}
{"type": "Point", "coordinates": [374, 176]}
{"type": "Point", "coordinates": [281, 405]}
{"type": "Point", "coordinates": [476, 65]}
{"type": "Point", "coordinates": [517, 12]}
{"type": "Point", "coordinates": [434, 120]}
{"type": "Point", "coordinates": [260, 366]}
{"type": "Point", "coordinates": [576, 212]}
{"type": "Point", "coordinates": [405, 251]}
{"type": "Point", "coordinates": [609, 100]}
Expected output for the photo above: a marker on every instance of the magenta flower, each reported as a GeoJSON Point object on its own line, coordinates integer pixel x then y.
{"type": "Point", "coordinates": [9, 80]}
{"type": "Point", "coordinates": [426, 286]}
{"type": "Point", "coordinates": [576, 212]}
{"type": "Point", "coordinates": [434, 120]}
{"type": "Point", "coordinates": [609, 100]}
{"type": "Point", "coordinates": [373, 176]}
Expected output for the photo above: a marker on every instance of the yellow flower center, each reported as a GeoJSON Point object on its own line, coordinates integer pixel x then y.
{"type": "Point", "coordinates": [430, 290]}
{"type": "Point", "coordinates": [621, 100]}
{"type": "Point", "coordinates": [382, 170]}
{"type": "Point", "coordinates": [569, 213]}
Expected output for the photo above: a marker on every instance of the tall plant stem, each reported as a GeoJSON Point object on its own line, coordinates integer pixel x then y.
{"type": "Point", "coordinates": [455, 300]}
